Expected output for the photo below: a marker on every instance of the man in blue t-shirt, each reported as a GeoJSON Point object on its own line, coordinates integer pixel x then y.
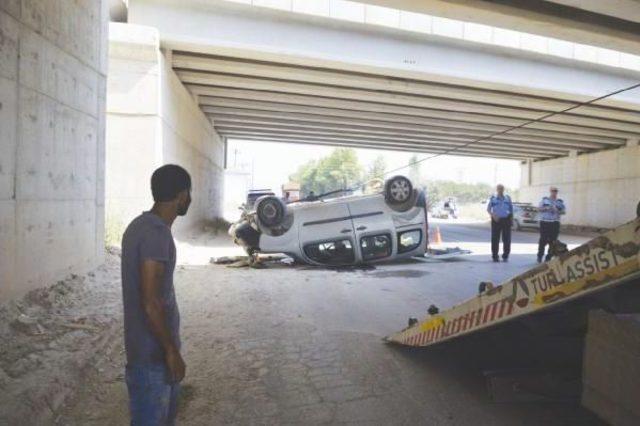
{"type": "Point", "coordinates": [151, 319]}
{"type": "Point", "coordinates": [500, 209]}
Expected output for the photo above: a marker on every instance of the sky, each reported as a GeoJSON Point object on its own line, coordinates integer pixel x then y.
{"type": "Point", "coordinates": [272, 163]}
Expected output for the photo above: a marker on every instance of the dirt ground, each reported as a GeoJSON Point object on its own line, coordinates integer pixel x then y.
{"type": "Point", "coordinates": [281, 345]}
{"type": "Point", "coordinates": [53, 339]}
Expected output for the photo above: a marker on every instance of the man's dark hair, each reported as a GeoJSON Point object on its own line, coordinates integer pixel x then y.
{"type": "Point", "coordinates": [168, 181]}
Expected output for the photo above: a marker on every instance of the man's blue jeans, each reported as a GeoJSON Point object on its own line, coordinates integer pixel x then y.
{"type": "Point", "coordinates": [152, 398]}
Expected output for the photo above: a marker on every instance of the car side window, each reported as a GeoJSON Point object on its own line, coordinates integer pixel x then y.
{"type": "Point", "coordinates": [375, 246]}
{"type": "Point", "coordinates": [337, 252]}
{"type": "Point", "coordinates": [409, 240]}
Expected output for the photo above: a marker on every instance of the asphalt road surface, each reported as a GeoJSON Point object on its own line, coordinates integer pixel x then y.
{"type": "Point", "coordinates": [299, 345]}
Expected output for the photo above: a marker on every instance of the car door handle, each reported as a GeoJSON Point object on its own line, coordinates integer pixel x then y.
{"type": "Point", "coordinates": [345, 231]}
{"type": "Point", "coordinates": [361, 228]}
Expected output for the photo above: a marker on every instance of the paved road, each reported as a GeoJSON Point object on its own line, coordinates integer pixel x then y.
{"type": "Point", "coordinates": [288, 345]}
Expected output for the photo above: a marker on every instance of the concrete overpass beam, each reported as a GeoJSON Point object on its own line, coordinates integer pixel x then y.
{"type": "Point", "coordinates": [611, 25]}
{"type": "Point", "coordinates": [240, 31]}
{"type": "Point", "coordinates": [411, 116]}
{"type": "Point", "coordinates": [222, 115]}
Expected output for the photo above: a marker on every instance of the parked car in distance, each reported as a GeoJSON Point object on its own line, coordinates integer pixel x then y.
{"type": "Point", "coordinates": [254, 194]}
{"type": "Point", "coordinates": [525, 215]}
{"type": "Point", "coordinates": [348, 230]}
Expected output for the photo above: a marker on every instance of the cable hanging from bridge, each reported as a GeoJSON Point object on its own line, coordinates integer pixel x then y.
{"type": "Point", "coordinates": [526, 123]}
{"type": "Point", "coordinates": [502, 132]}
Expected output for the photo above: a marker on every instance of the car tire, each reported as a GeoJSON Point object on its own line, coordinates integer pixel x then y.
{"type": "Point", "coordinates": [398, 190]}
{"type": "Point", "coordinates": [516, 226]}
{"type": "Point", "coordinates": [270, 210]}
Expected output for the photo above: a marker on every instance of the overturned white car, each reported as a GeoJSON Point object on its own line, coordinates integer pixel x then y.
{"type": "Point", "coordinates": [340, 231]}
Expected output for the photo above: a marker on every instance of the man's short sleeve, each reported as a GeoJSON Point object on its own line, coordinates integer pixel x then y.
{"type": "Point", "coordinates": [156, 245]}
{"type": "Point", "coordinates": [510, 204]}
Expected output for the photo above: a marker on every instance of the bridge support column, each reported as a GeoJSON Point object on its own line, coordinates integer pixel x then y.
{"type": "Point", "coordinates": [52, 97]}
{"type": "Point", "coordinates": [153, 120]}
{"type": "Point", "coordinates": [601, 189]}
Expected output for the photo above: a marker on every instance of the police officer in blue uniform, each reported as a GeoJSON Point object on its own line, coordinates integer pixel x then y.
{"type": "Point", "coordinates": [551, 208]}
{"type": "Point", "coordinates": [501, 210]}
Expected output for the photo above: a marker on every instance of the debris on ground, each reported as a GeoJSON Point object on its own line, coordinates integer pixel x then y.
{"type": "Point", "coordinates": [27, 325]}
{"type": "Point", "coordinates": [445, 253]}
{"type": "Point", "coordinates": [50, 337]}
{"type": "Point", "coordinates": [260, 261]}
{"type": "Point", "coordinates": [226, 260]}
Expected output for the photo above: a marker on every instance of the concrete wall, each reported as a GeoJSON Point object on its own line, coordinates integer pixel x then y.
{"type": "Point", "coordinates": [600, 189]}
{"type": "Point", "coordinates": [152, 120]}
{"type": "Point", "coordinates": [52, 86]}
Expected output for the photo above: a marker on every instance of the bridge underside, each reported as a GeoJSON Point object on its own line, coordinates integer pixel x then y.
{"type": "Point", "coordinates": [289, 103]}
{"type": "Point", "coordinates": [274, 76]}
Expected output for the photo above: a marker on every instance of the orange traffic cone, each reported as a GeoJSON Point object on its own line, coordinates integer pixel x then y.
{"type": "Point", "coordinates": [438, 239]}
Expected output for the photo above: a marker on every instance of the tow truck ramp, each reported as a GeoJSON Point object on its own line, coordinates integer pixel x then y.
{"type": "Point", "coordinates": [602, 263]}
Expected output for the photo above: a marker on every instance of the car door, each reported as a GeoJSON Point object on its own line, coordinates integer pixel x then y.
{"type": "Point", "coordinates": [374, 229]}
{"type": "Point", "coordinates": [326, 234]}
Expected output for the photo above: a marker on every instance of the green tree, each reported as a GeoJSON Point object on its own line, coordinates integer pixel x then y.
{"type": "Point", "coordinates": [377, 168]}
{"type": "Point", "coordinates": [339, 170]}
{"type": "Point", "coordinates": [433, 194]}
{"type": "Point", "coordinates": [463, 192]}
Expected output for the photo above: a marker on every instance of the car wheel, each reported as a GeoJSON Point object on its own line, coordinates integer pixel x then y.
{"type": "Point", "coordinates": [398, 190]}
{"type": "Point", "coordinates": [516, 225]}
{"type": "Point", "coordinates": [270, 211]}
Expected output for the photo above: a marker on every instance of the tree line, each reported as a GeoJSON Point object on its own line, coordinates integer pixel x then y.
{"type": "Point", "coordinates": [342, 170]}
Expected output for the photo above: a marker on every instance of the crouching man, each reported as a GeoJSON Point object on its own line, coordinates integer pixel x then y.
{"type": "Point", "coordinates": [151, 319]}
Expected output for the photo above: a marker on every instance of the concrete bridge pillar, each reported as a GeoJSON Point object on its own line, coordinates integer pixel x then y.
{"type": "Point", "coordinates": [601, 189]}
{"type": "Point", "coordinates": [153, 120]}
{"type": "Point", "coordinates": [52, 101]}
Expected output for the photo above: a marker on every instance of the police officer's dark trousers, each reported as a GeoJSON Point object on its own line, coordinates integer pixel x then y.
{"type": "Point", "coordinates": [501, 228]}
{"type": "Point", "coordinates": [549, 232]}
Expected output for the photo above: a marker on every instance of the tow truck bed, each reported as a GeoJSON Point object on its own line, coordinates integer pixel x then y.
{"type": "Point", "coordinates": [604, 262]}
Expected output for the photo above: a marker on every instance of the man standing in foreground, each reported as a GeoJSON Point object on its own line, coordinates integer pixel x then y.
{"type": "Point", "coordinates": [151, 318]}
{"type": "Point", "coordinates": [501, 210]}
{"type": "Point", "coordinates": [551, 208]}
